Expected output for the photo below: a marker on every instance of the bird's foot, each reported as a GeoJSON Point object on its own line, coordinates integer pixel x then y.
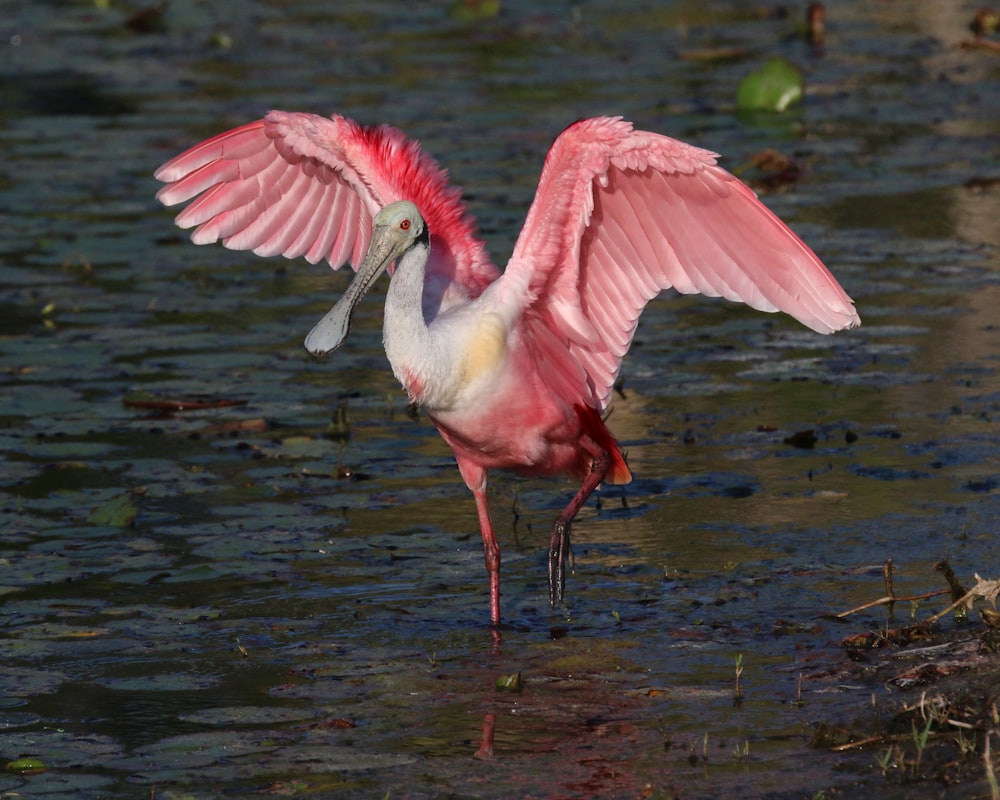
{"type": "Point", "coordinates": [560, 551]}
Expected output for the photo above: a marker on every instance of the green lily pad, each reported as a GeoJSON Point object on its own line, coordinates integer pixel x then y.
{"type": "Point", "coordinates": [775, 86]}
{"type": "Point", "coordinates": [119, 512]}
{"type": "Point", "coordinates": [163, 682]}
{"type": "Point", "coordinates": [27, 766]}
{"type": "Point", "coordinates": [26, 682]}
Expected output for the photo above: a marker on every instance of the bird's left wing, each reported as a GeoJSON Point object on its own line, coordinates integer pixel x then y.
{"type": "Point", "coordinates": [303, 185]}
{"type": "Point", "coordinates": [621, 215]}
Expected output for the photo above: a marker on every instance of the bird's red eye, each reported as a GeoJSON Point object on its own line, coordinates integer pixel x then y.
{"type": "Point", "coordinates": [404, 225]}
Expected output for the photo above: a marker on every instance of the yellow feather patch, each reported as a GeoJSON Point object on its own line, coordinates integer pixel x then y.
{"type": "Point", "coordinates": [484, 349]}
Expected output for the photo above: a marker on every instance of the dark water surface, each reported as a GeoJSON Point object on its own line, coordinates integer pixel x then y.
{"type": "Point", "coordinates": [298, 606]}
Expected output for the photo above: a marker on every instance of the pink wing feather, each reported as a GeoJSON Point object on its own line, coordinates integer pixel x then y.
{"type": "Point", "coordinates": [304, 185]}
{"type": "Point", "coordinates": [620, 215]}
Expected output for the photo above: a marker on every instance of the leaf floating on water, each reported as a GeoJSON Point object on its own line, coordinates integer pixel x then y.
{"type": "Point", "coordinates": [255, 425]}
{"type": "Point", "coordinates": [509, 683]}
{"type": "Point", "coordinates": [146, 400]}
{"type": "Point", "coordinates": [119, 512]}
{"type": "Point", "coordinates": [775, 86]}
{"type": "Point", "coordinates": [68, 632]}
{"type": "Point", "coordinates": [336, 724]}
{"type": "Point", "coordinates": [27, 766]}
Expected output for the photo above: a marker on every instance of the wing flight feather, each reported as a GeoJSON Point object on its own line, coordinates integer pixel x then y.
{"type": "Point", "coordinates": [302, 185]}
{"type": "Point", "coordinates": [621, 215]}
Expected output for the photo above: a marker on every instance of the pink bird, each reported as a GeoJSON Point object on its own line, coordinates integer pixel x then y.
{"type": "Point", "coordinates": [516, 368]}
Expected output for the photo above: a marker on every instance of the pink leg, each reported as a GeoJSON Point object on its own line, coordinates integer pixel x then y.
{"type": "Point", "coordinates": [559, 544]}
{"type": "Point", "coordinates": [491, 553]}
{"type": "Point", "coordinates": [475, 479]}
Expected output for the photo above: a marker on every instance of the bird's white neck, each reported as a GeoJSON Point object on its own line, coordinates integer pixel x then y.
{"type": "Point", "coordinates": [440, 356]}
{"type": "Point", "coordinates": [404, 329]}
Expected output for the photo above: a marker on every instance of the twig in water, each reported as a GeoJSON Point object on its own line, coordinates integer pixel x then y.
{"type": "Point", "coordinates": [889, 600]}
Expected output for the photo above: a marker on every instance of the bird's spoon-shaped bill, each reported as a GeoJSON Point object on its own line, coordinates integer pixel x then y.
{"type": "Point", "coordinates": [331, 331]}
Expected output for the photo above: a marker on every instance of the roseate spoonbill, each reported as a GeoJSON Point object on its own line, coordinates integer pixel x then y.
{"type": "Point", "coordinates": [514, 369]}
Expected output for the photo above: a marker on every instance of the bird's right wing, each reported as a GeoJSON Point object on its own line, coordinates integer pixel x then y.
{"type": "Point", "coordinates": [621, 215]}
{"type": "Point", "coordinates": [303, 185]}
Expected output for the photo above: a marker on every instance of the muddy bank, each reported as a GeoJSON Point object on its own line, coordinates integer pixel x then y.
{"type": "Point", "coordinates": [932, 726]}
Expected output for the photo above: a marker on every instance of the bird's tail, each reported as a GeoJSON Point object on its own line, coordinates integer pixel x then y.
{"type": "Point", "coordinates": [594, 427]}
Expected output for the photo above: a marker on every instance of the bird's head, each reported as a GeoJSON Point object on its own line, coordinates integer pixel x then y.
{"type": "Point", "coordinates": [396, 229]}
{"type": "Point", "coordinates": [398, 223]}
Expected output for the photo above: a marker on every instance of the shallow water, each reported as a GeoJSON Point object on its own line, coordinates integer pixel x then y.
{"type": "Point", "coordinates": [287, 595]}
